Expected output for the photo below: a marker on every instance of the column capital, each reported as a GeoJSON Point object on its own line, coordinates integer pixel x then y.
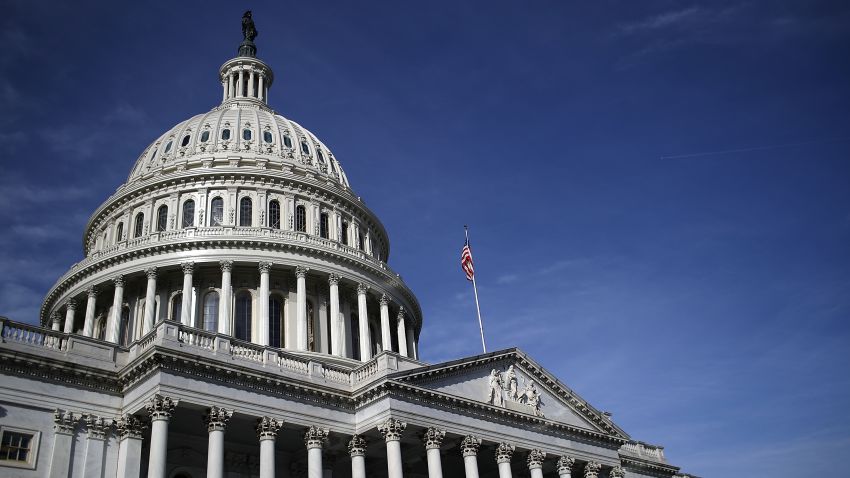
{"type": "Point", "coordinates": [267, 428]}
{"type": "Point", "coordinates": [433, 437]}
{"type": "Point", "coordinates": [301, 272]}
{"type": "Point", "coordinates": [400, 314]}
{"type": "Point", "coordinates": [392, 429]}
{"type": "Point", "coordinates": [161, 407]}
{"type": "Point", "coordinates": [357, 446]}
{"type": "Point", "coordinates": [333, 279]}
{"type": "Point", "coordinates": [64, 422]}
{"type": "Point", "coordinates": [97, 427]}
{"type": "Point", "coordinates": [362, 288]}
{"type": "Point", "coordinates": [504, 452]}
{"type": "Point", "coordinates": [187, 267]}
{"type": "Point", "coordinates": [591, 469]}
{"type": "Point", "coordinates": [314, 437]}
{"type": "Point", "coordinates": [264, 267]}
{"type": "Point", "coordinates": [118, 280]}
{"type": "Point", "coordinates": [469, 445]}
{"type": "Point", "coordinates": [130, 426]}
{"type": "Point", "coordinates": [71, 304]}
{"type": "Point", "coordinates": [384, 299]}
{"type": "Point", "coordinates": [54, 316]}
{"type": "Point", "coordinates": [535, 458]}
{"type": "Point", "coordinates": [226, 265]}
{"type": "Point", "coordinates": [617, 472]}
{"type": "Point", "coordinates": [217, 418]}
{"type": "Point", "coordinates": [565, 464]}
{"type": "Point", "coordinates": [91, 291]}
{"type": "Point", "coordinates": [151, 272]}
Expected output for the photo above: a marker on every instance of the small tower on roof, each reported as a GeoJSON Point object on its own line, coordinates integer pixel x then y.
{"type": "Point", "coordinates": [246, 78]}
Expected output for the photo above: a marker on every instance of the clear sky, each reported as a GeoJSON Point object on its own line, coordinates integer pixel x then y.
{"type": "Point", "coordinates": [658, 192]}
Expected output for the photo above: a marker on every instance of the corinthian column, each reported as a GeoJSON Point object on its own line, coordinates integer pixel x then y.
{"type": "Point", "coordinates": [469, 449]}
{"type": "Point", "coordinates": [150, 306]}
{"type": "Point", "coordinates": [565, 466]}
{"type": "Point", "coordinates": [70, 307]}
{"type": "Point", "coordinates": [301, 304]}
{"type": "Point", "coordinates": [386, 337]}
{"type": "Point", "coordinates": [535, 463]}
{"type": "Point", "coordinates": [129, 429]}
{"type": "Point", "coordinates": [433, 438]}
{"type": "Point", "coordinates": [363, 324]}
{"type": "Point", "coordinates": [336, 334]}
{"type": "Point", "coordinates": [91, 302]}
{"type": "Point", "coordinates": [617, 472]}
{"type": "Point", "coordinates": [226, 299]}
{"type": "Point", "coordinates": [63, 428]}
{"type": "Point", "coordinates": [160, 409]}
{"type": "Point", "coordinates": [264, 267]}
{"type": "Point", "coordinates": [267, 429]}
{"type": "Point", "coordinates": [55, 321]}
{"type": "Point", "coordinates": [113, 324]}
{"type": "Point", "coordinates": [314, 438]}
{"type": "Point", "coordinates": [357, 451]}
{"type": "Point", "coordinates": [391, 430]}
{"type": "Point", "coordinates": [591, 469]}
{"type": "Point", "coordinates": [504, 453]}
{"type": "Point", "coordinates": [96, 430]}
{"type": "Point", "coordinates": [186, 307]}
{"type": "Point", "coordinates": [401, 330]}
{"type": "Point", "coordinates": [216, 420]}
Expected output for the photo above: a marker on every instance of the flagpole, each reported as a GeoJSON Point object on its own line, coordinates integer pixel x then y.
{"type": "Point", "coordinates": [477, 307]}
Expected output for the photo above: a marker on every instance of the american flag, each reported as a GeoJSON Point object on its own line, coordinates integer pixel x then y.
{"type": "Point", "coordinates": [466, 261]}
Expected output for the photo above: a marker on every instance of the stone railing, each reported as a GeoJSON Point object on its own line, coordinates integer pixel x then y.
{"type": "Point", "coordinates": [246, 351]}
{"type": "Point", "coordinates": [25, 334]}
{"type": "Point", "coordinates": [643, 450]}
{"type": "Point", "coordinates": [197, 338]}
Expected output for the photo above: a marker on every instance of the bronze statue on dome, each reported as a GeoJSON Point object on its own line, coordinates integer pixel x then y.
{"type": "Point", "coordinates": [249, 31]}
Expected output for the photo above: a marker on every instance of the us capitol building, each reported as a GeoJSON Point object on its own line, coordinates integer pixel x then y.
{"type": "Point", "coordinates": [235, 316]}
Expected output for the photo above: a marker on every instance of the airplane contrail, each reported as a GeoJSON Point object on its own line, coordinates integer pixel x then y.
{"type": "Point", "coordinates": [754, 148]}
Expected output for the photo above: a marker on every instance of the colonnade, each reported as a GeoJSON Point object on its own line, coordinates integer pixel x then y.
{"type": "Point", "coordinates": [246, 81]}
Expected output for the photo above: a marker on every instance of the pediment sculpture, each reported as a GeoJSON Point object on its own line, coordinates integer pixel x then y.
{"type": "Point", "coordinates": [506, 390]}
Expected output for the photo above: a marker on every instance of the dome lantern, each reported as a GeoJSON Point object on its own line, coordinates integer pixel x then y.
{"type": "Point", "coordinates": [246, 77]}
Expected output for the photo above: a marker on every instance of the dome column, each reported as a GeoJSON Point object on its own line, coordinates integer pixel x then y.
{"type": "Point", "coordinates": [301, 305]}
{"type": "Point", "coordinates": [363, 324]}
{"type": "Point", "coordinates": [113, 324]}
{"type": "Point", "coordinates": [251, 83]}
{"type": "Point", "coordinates": [91, 302]}
{"type": "Point", "coordinates": [401, 329]}
{"type": "Point", "coordinates": [70, 307]}
{"type": "Point", "coordinates": [186, 307]}
{"type": "Point", "coordinates": [240, 85]}
{"type": "Point", "coordinates": [262, 91]}
{"type": "Point", "coordinates": [226, 299]}
{"type": "Point", "coordinates": [336, 327]}
{"type": "Point", "coordinates": [55, 321]}
{"type": "Point", "coordinates": [150, 305]}
{"type": "Point", "coordinates": [386, 336]}
{"type": "Point", "coordinates": [265, 267]}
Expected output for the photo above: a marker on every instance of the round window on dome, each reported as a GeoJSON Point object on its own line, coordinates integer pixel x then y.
{"type": "Point", "coordinates": [168, 147]}
{"type": "Point", "coordinates": [267, 136]}
{"type": "Point", "coordinates": [185, 141]}
{"type": "Point", "coordinates": [287, 141]}
{"type": "Point", "coordinates": [246, 134]}
{"type": "Point", "coordinates": [225, 134]}
{"type": "Point", "coordinates": [205, 136]}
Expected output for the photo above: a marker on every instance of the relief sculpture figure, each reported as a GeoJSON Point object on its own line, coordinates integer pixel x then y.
{"type": "Point", "coordinates": [494, 394]}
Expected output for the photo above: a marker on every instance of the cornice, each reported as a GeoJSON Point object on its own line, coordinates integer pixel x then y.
{"type": "Point", "coordinates": [648, 467]}
{"type": "Point", "coordinates": [59, 371]}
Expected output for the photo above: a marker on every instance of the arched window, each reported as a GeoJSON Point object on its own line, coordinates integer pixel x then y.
{"type": "Point", "coordinates": [168, 147]}
{"type": "Point", "coordinates": [140, 225]}
{"type": "Point", "coordinates": [323, 225]}
{"type": "Point", "coordinates": [153, 156]}
{"type": "Point", "coordinates": [225, 134]}
{"type": "Point", "coordinates": [217, 216]}
{"type": "Point", "coordinates": [275, 319]}
{"type": "Point", "coordinates": [300, 218]}
{"type": "Point", "coordinates": [304, 148]}
{"type": "Point", "coordinates": [245, 211]}
{"type": "Point", "coordinates": [344, 233]}
{"type": "Point", "coordinates": [242, 321]}
{"type": "Point", "coordinates": [162, 218]}
{"type": "Point", "coordinates": [246, 134]}
{"type": "Point", "coordinates": [320, 156]}
{"type": "Point", "coordinates": [287, 141]}
{"type": "Point", "coordinates": [189, 213]}
{"type": "Point", "coordinates": [119, 232]}
{"type": "Point", "coordinates": [267, 136]}
{"type": "Point", "coordinates": [211, 311]}
{"type": "Point", "coordinates": [205, 136]}
{"type": "Point", "coordinates": [274, 214]}
{"type": "Point", "coordinates": [185, 141]}
{"type": "Point", "coordinates": [177, 307]}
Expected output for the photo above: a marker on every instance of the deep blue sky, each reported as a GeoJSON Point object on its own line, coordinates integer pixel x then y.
{"type": "Point", "coordinates": [703, 299]}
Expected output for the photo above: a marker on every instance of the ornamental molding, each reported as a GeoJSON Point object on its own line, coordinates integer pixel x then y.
{"type": "Point", "coordinates": [226, 265]}
{"type": "Point", "coordinates": [647, 467]}
{"type": "Point", "coordinates": [267, 428]}
{"type": "Point", "coordinates": [71, 304]}
{"type": "Point", "coordinates": [56, 371]}
{"type": "Point", "coordinates": [216, 418]}
{"type": "Point", "coordinates": [97, 427]}
{"type": "Point", "coordinates": [591, 469]}
{"type": "Point", "coordinates": [150, 272]}
{"type": "Point", "coordinates": [160, 407]}
{"type": "Point", "coordinates": [64, 421]}
{"type": "Point", "coordinates": [130, 426]}
{"type": "Point", "coordinates": [391, 429]}
{"type": "Point", "coordinates": [469, 445]}
{"type": "Point", "coordinates": [357, 446]}
{"type": "Point", "coordinates": [433, 437]}
{"type": "Point", "coordinates": [315, 437]}
{"type": "Point", "coordinates": [535, 458]}
{"type": "Point", "coordinates": [504, 452]}
{"type": "Point", "coordinates": [565, 464]}
{"type": "Point", "coordinates": [617, 472]}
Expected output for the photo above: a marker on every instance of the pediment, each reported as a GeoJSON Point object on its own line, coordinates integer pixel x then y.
{"type": "Point", "coordinates": [511, 380]}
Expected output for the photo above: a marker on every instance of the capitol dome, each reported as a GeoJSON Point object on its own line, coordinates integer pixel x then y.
{"type": "Point", "coordinates": [242, 223]}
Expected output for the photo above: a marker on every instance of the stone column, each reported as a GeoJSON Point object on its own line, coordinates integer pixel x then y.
{"type": "Point", "coordinates": [240, 83]}
{"type": "Point", "coordinates": [314, 438]}
{"type": "Point", "coordinates": [55, 321]}
{"type": "Point", "coordinates": [70, 307]}
{"type": "Point", "coordinates": [401, 331]}
{"type": "Point", "coordinates": [186, 306]}
{"type": "Point", "coordinates": [301, 308]}
{"type": "Point", "coordinates": [267, 429]}
{"type": "Point", "coordinates": [91, 302]}
{"type": "Point", "coordinates": [113, 323]}
{"type": "Point", "coordinates": [150, 305]}
{"type": "Point", "coordinates": [262, 96]}
{"type": "Point", "coordinates": [411, 341]}
{"type": "Point", "coordinates": [265, 267]}
{"type": "Point", "coordinates": [226, 300]}
{"type": "Point", "coordinates": [230, 87]}
{"type": "Point", "coordinates": [391, 430]}
{"type": "Point", "coordinates": [565, 466]}
{"type": "Point", "coordinates": [216, 420]}
{"type": "Point", "coordinates": [433, 438]}
{"type": "Point", "coordinates": [357, 451]}
{"type": "Point", "coordinates": [63, 428]}
{"type": "Point", "coordinates": [617, 472]}
{"type": "Point", "coordinates": [469, 449]}
{"type": "Point", "coordinates": [251, 83]}
{"type": "Point", "coordinates": [129, 429]}
{"type": "Point", "coordinates": [504, 453]}
{"type": "Point", "coordinates": [591, 469]}
{"type": "Point", "coordinates": [535, 462]}
{"type": "Point", "coordinates": [386, 337]}
{"type": "Point", "coordinates": [363, 320]}
{"type": "Point", "coordinates": [96, 430]}
{"type": "Point", "coordinates": [336, 329]}
{"type": "Point", "coordinates": [160, 409]}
